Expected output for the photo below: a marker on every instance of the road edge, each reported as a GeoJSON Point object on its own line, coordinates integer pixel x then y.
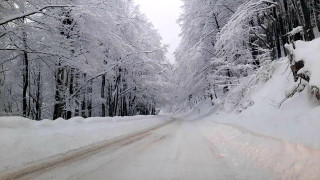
{"type": "Point", "coordinates": [50, 162]}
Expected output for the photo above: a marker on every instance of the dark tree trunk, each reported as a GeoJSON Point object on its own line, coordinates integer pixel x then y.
{"type": "Point", "coordinates": [84, 100]}
{"type": "Point", "coordinates": [309, 34]}
{"type": "Point", "coordinates": [116, 97]}
{"type": "Point", "coordinates": [89, 100]}
{"type": "Point", "coordinates": [71, 91]}
{"type": "Point", "coordinates": [59, 95]}
{"type": "Point", "coordinates": [25, 85]}
{"type": "Point", "coordinates": [103, 106]}
{"type": "Point", "coordinates": [110, 103]}
{"type": "Point", "coordinates": [277, 32]}
{"type": "Point", "coordinates": [317, 13]}
{"type": "Point", "coordinates": [38, 95]}
{"type": "Point", "coordinates": [83, 107]}
{"type": "Point", "coordinates": [216, 21]}
{"type": "Point", "coordinates": [25, 77]}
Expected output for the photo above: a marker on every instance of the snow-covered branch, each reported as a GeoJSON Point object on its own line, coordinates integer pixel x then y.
{"type": "Point", "coordinates": [32, 52]}
{"type": "Point", "coordinates": [22, 15]}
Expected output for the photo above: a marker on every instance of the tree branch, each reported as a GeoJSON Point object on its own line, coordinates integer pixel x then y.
{"type": "Point", "coordinates": [227, 7]}
{"type": "Point", "coordinates": [22, 15]}
{"type": "Point", "coordinates": [33, 52]}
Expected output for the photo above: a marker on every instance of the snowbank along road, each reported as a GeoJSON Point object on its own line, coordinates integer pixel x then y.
{"type": "Point", "coordinates": [176, 149]}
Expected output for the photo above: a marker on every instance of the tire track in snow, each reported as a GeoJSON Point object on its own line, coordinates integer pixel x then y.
{"type": "Point", "coordinates": [285, 160]}
{"type": "Point", "coordinates": [79, 154]}
{"type": "Point", "coordinates": [247, 131]}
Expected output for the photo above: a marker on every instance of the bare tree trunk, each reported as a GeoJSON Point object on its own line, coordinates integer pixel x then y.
{"type": "Point", "coordinates": [77, 97]}
{"type": "Point", "coordinates": [317, 13]}
{"type": "Point", "coordinates": [307, 19]}
{"type": "Point", "coordinates": [38, 94]}
{"type": "Point", "coordinates": [103, 106]}
{"type": "Point", "coordinates": [60, 92]}
{"type": "Point", "coordinates": [116, 97]}
{"type": "Point", "coordinates": [84, 100]}
{"type": "Point", "coordinates": [83, 107]}
{"type": "Point", "coordinates": [89, 99]}
{"type": "Point", "coordinates": [110, 102]}
{"type": "Point", "coordinates": [277, 32]}
{"type": "Point", "coordinates": [71, 91]}
{"type": "Point", "coordinates": [25, 77]}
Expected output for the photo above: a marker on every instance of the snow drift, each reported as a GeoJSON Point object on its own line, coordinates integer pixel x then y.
{"type": "Point", "coordinates": [265, 102]}
{"type": "Point", "coordinates": [23, 141]}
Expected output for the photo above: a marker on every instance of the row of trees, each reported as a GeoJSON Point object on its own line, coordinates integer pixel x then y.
{"type": "Point", "coordinates": [66, 58]}
{"type": "Point", "coordinates": [225, 41]}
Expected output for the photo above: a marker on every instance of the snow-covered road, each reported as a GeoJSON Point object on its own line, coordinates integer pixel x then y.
{"type": "Point", "coordinates": [174, 151]}
{"type": "Point", "coordinates": [183, 149]}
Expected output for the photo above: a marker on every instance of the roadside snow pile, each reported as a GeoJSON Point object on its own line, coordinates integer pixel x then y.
{"type": "Point", "coordinates": [309, 52]}
{"type": "Point", "coordinates": [283, 139]}
{"type": "Point", "coordinates": [304, 59]}
{"type": "Point", "coordinates": [23, 141]}
{"type": "Point", "coordinates": [297, 120]}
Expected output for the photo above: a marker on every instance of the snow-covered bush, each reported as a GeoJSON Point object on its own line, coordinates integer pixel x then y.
{"type": "Point", "coordinates": [305, 64]}
{"type": "Point", "coordinates": [241, 41]}
{"type": "Point", "coordinates": [239, 97]}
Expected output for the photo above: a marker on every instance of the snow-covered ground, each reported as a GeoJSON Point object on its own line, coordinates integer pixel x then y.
{"type": "Point", "coordinates": [284, 140]}
{"type": "Point", "coordinates": [265, 131]}
{"type": "Point", "coordinates": [258, 139]}
{"type": "Point", "coordinates": [245, 152]}
{"type": "Point", "coordinates": [23, 141]}
{"type": "Point", "coordinates": [297, 120]}
{"type": "Point", "coordinates": [175, 151]}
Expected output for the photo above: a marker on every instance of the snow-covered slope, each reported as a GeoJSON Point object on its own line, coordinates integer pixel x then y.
{"type": "Point", "coordinates": [264, 129]}
{"type": "Point", "coordinates": [297, 120]}
{"type": "Point", "coordinates": [23, 140]}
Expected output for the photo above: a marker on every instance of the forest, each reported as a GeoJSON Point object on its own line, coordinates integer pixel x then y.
{"type": "Point", "coordinates": [227, 46]}
{"type": "Point", "coordinates": [78, 58]}
{"type": "Point", "coordinates": [103, 58]}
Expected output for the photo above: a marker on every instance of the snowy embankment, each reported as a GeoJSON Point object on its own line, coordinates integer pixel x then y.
{"type": "Point", "coordinates": [297, 120]}
{"type": "Point", "coordinates": [271, 129]}
{"type": "Point", "coordinates": [277, 106]}
{"type": "Point", "coordinates": [23, 141]}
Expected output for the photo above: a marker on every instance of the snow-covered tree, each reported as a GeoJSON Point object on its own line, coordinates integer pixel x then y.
{"type": "Point", "coordinates": [200, 23]}
{"type": "Point", "coordinates": [79, 58]}
{"type": "Point", "coordinates": [224, 42]}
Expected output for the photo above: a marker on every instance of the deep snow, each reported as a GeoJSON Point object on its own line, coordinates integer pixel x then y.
{"type": "Point", "coordinates": [309, 52]}
{"type": "Point", "coordinates": [23, 141]}
{"type": "Point", "coordinates": [296, 121]}
{"type": "Point", "coordinates": [284, 140]}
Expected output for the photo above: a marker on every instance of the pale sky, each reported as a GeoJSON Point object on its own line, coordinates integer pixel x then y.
{"type": "Point", "coordinates": [164, 14]}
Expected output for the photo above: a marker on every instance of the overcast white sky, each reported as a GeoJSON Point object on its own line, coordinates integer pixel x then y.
{"type": "Point", "coordinates": [164, 14]}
